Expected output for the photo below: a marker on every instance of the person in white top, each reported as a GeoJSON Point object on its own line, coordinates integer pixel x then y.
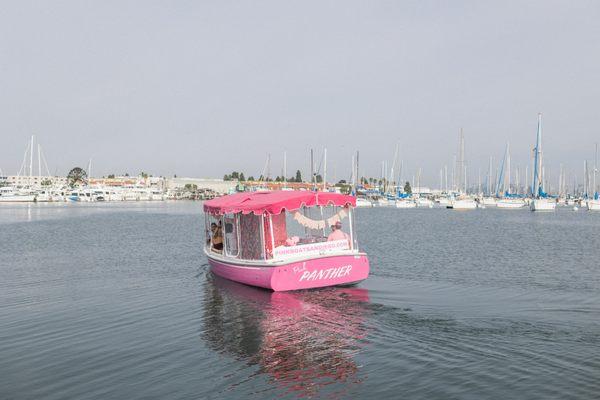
{"type": "Point", "coordinates": [337, 233]}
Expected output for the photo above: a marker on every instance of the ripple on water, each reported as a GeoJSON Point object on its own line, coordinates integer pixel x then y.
{"type": "Point", "coordinates": [117, 302]}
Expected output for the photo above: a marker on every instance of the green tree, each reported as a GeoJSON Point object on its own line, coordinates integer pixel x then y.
{"type": "Point", "coordinates": [251, 178]}
{"type": "Point", "coordinates": [144, 175]}
{"type": "Point", "coordinates": [298, 176]}
{"type": "Point", "coordinates": [242, 177]}
{"type": "Point", "coordinates": [407, 188]}
{"type": "Point", "coordinates": [191, 187]}
{"type": "Point", "coordinates": [46, 182]}
{"type": "Point", "coordinates": [111, 176]}
{"type": "Point", "coordinates": [319, 179]}
{"type": "Point", "coordinates": [76, 176]}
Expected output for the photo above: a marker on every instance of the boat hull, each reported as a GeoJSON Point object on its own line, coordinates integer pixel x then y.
{"type": "Point", "coordinates": [510, 204]}
{"type": "Point", "coordinates": [17, 199]}
{"type": "Point", "coordinates": [542, 205]}
{"type": "Point", "coordinates": [593, 205]}
{"type": "Point", "coordinates": [405, 204]}
{"type": "Point", "coordinates": [462, 205]}
{"type": "Point", "coordinates": [306, 274]}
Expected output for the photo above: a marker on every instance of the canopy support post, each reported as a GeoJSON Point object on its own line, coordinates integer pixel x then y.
{"type": "Point", "coordinates": [272, 236]}
{"type": "Point", "coordinates": [262, 236]}
{"type": "Point", "coordinates": [350, 218]}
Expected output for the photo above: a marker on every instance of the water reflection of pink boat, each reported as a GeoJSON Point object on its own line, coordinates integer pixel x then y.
{"type": "Point", "coordinates": [284, 240]}
{"type": "Point", "coordinates": [305, 342]}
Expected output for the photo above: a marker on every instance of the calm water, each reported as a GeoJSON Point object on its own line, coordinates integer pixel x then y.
{"type": "Point", "coordinates": [116, 301]}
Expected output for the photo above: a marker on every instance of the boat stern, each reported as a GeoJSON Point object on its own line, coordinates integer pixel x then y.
{"type": "Point", "coordinates": [320, 272]}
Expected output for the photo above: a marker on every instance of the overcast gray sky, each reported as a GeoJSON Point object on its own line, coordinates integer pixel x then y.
{"type": "Point", "coordinates": [200, 88]}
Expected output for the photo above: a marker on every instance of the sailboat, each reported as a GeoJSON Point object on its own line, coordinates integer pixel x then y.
{"type": "Point", "coordinates": [540, 200]}
{"type": "Point", "coordinates": [462, 201]}
{"type": "Point", "coordinates": [488, 199]}
{"type": "Point", "coordinates": [593, 204]}
{"type": "Point", "coordinates": [508, 201]}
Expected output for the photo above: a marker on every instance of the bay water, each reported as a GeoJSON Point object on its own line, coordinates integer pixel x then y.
{"type": "Point", "coordinates": [103, 301]}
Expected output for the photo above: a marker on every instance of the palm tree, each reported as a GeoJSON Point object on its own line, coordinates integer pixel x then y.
{"type": "Point", "coordinates": [76, 176]}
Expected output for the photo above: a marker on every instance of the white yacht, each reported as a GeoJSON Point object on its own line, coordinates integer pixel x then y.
{"type": "Point", "coordinates": [383, 202]}
{"type": "Point", "coordinates": [510, 203]}
{"type": "Point", "coordinates": [488, 201]}
{"type": "Point", "coordinates": [443, 201]}
{"type": "Point", "coordinates": [542, 204]}
{"type": "Point", "coordinates": [405, 203]}
{"type": "Point", "coordinates": [362, 202]}
{"type": "Point", "coordinates": [593, 205]}
{"type": "Point", "coordinates": [462, 203]}
{"type": "Point", "coordinates": [8, 194]}
{"type": "Point", "coordinates": [424, 202]}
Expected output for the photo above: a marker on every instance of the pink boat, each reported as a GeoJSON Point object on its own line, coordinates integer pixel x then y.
{"type": "Point", "coordinates": [284, 240]}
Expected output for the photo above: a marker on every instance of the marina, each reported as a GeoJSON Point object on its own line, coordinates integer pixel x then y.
{"type": "Point", "coordinates": [368, 192]}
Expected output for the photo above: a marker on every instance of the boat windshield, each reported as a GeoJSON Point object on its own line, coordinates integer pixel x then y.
{"type": "Point", "coordinates": [306, 232]}
{"type": "Point", "coordinates": [311, 231]}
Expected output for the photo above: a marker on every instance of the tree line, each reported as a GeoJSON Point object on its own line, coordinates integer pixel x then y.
{"type": "Point", "coordinates": [239, 176]}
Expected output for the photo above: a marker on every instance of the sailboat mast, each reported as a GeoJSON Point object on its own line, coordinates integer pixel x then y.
{"type": "Point", "coordinates": [312, 167]}
{"type": "Point", "coordinates": [585, 180]}
{"type": "Point", "coordinates": [508, 165]}
{"type": "Point", "coordinates": [284, 167]}
{"type": "Point", "coordinates": [353, 174]}
{"type": "Point", "coordinates": [595, 170]}
{"type": "Point", "coordinates": [501, 175]}
{"type": "Point", "coordinates": [357, 166]}
{"type": "Point", "coordinates": [454, 185]}
{"type": "Point", "coordinates": [31, 161]}
{"type": "Point", "coordinates": [446, 177]}
{"type": "Point", "coordinates": [39, 161]}
{"type": "Point", "coordinates": [535, 184]}
{"type": "Point", "coordinates": [526, 178]}
{"type": "Point", "coordinates": [462, 175]}
{"type": "Point", "coordinates": [394, 164]}
{"type": "Point", "coordinates": [489, 180]}
{"type": "Point", "coordinates": [442, 180]}
{"type": "Point", "coordinates": [324, 169]}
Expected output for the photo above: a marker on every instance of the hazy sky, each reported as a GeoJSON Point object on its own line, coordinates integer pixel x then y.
{"type": "Point", "coordinates": [200, 88]}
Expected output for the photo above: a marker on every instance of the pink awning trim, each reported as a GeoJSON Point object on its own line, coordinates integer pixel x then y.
{"type": "Point", "coordinates": [274, 202]}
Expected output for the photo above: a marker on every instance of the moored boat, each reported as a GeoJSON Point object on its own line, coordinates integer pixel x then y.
{"type": "Point", "coordinates": [362, 202]}
{"type": "Point", "coordinates": [488, 201]}
{"type": "Point", "coordinates": [462, 203]}
{"type": "Point", "coordinates": [11, 195]}
{"type": "Point", "coordinates": [593, 205]}
{"type": "Point", "coordinates": [540, 200]}
{"type": "Point", "coordinates": [284, 240]}
{"type": "Point", "coordinates": [542, 204]}
{"type": "Point", "coordinates": [405, 203]}
{"type": "Point", "coordinates": [510, 203]}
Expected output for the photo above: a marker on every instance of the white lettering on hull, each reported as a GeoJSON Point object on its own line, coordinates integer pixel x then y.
{"type": "Point", "coordinates": [331, 273]}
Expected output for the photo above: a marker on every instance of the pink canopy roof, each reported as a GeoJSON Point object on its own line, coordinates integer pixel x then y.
{"type": "Point", "coordinates": [274, 202]}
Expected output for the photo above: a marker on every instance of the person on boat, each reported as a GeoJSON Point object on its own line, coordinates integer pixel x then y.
{"type": "Point", "coordinates": [217, 236]}
{"type": "Point", "coordinates": [337, 233]}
